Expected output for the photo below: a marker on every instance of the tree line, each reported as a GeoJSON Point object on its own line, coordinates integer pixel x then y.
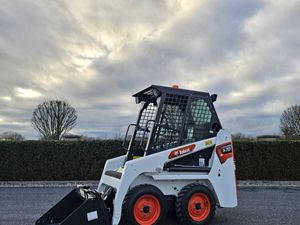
{"type": "Point", "coordinates": [55, 118]}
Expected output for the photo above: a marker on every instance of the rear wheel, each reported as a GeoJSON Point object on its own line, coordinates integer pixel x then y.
{"type": "Point", "coordinates": [195, 205]}
{"type": "Point", "coordinates": [144, 205]}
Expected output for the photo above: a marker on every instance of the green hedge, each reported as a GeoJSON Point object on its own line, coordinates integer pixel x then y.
{"type": "Point", "coordinates": [268, 160]}
{"type": "Point", "coordinates": [55, 160]}
{"type": "Point", "coordinates": [84, 160]}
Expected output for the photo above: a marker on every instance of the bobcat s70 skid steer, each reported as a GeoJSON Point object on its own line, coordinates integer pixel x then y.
{"type": "Point", "coordinates": [179, 158]}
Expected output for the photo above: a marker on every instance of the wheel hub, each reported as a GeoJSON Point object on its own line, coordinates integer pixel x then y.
{"type": "Point", "coordinates": [146, 209]}
{"type": "Point", "coordinates": [197, 206]}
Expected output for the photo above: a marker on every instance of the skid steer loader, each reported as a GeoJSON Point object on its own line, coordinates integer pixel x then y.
{"type": "Point", "coordinates": [178, 158]}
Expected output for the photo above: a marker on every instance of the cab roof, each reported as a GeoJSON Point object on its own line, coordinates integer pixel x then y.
{"type": "Point", "coordinates": [155, 91]}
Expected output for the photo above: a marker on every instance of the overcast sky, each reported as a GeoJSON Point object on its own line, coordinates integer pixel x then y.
{"type": "Point", "coordinates": [95, 54]}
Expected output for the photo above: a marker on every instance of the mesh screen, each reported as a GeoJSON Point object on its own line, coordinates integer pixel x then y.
{"type": "Point", "coordinates": [198, 121]}
{"type": "Point", "coordinates": [171, 122]}
{"type": "Point", "coordinates": [182, 119]}
{"type": "Point", "coordinates": [144, 127]}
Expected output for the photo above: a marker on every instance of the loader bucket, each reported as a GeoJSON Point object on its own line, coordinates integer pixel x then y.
{"type": "Point", "coordinates": [81, 206]}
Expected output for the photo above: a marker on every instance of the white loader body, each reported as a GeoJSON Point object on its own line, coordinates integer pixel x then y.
{"type": "Point", "coordinates": [149, 170]}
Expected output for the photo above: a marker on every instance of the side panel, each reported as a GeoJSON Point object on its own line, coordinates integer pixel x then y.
{"type": "Point", "coordinates": [169, 186]}
{"type": "Point", "coordinates": [222, 176]}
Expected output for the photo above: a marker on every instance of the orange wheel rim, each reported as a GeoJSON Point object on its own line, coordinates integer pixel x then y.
{"type": "Point", "coordinates": [199, 207]}
{"type": "Point", "coordinates": [146, 210]}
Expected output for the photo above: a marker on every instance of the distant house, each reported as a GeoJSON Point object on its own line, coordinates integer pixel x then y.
{"type": "Point", "coordinates": [268, 138]}
{"type": "Point", "coordinates": [71, 137]}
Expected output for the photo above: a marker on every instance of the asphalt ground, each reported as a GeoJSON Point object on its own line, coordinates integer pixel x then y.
{"type": "Point", "coordinates": [257, 205]}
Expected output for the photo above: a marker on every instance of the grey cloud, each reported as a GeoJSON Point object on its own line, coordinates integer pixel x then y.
{"type": "Point", "coordinates": [95, 54]}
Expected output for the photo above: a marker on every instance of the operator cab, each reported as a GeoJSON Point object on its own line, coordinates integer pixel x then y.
{"type": "Point", "coordinates": [170, 117]}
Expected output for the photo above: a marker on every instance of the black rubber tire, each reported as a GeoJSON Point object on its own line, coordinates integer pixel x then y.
{"type": "Point", "coordinates": [133, 195]}
{"type": "Point", "coordinates": [182, 204]}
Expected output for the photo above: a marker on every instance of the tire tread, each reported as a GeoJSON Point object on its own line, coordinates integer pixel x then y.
{"type": "Point", "coordinates": [129, 195]}
{"type": "Point", "coordinates": [180, 207]}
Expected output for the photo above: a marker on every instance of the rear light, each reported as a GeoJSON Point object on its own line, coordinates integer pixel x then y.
{"type": "Point", "coordinates": [225, 151]}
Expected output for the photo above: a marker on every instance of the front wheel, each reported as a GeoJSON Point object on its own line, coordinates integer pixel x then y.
{"type": "Point", "coordinates": [144, 205]}
{"type": "Point", "coordinates": [195, 205]}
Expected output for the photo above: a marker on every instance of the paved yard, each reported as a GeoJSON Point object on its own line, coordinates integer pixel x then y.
{"type": "Point", "coordinates": [259, 206]}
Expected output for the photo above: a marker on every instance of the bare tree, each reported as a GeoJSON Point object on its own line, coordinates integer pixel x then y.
{"type": "Point", "coordinates": [290, 121]}
{"type": "Point", "coordinates": [52, 119]}
{"type": "Point", "coordinates": [12, 136]}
